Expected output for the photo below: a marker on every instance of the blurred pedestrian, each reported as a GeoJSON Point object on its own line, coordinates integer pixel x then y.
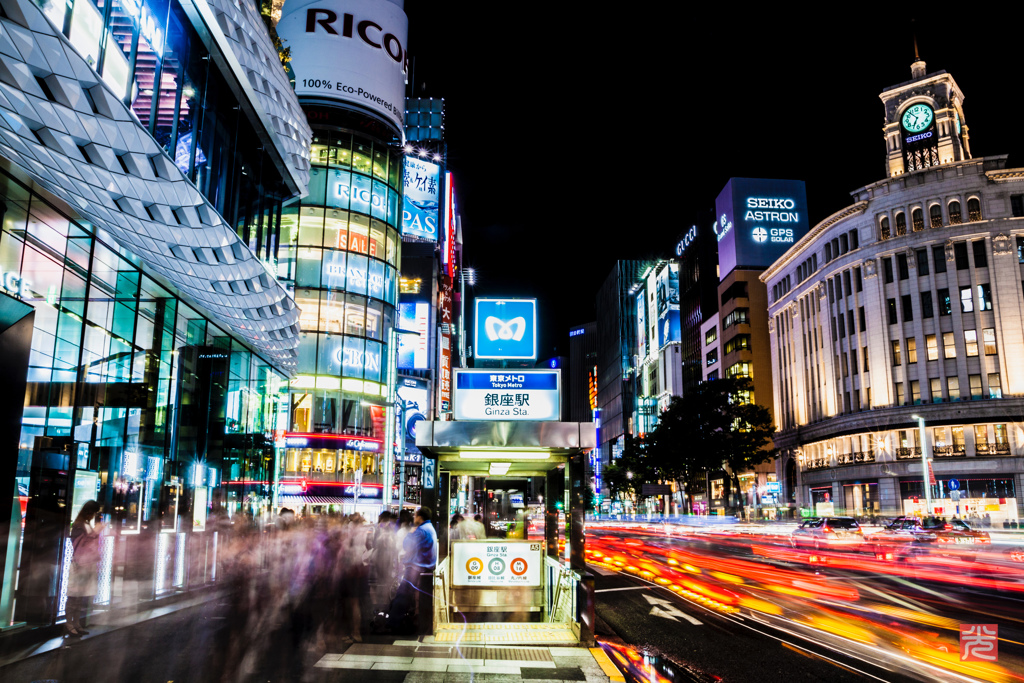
{"type": "Point", "coordinates": [84, 572]}
{"type": "Point", "coordinates": [419, 558]}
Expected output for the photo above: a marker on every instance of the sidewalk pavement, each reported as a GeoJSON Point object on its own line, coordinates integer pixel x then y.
{"type": "Point", "coordinates": [425, 661]}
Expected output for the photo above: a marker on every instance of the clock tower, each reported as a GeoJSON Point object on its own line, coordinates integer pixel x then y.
{"type": "Point", "coordinates": [924, 121]}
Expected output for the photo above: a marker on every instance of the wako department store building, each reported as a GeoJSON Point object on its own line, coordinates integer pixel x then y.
{"type": "Point", "coordinates": [905, 305]}
{"type": "Point", "coordinates": [146, 149]}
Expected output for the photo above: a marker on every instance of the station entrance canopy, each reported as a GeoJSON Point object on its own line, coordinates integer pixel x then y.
{"type": "Point", "coordinates": [525, 582]}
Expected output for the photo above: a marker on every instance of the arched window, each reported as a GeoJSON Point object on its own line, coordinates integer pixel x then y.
{"type": "Point", "coordinates": [973, 209]}
{"type": "Point", "coordinates": [954, 213]}
{"type": "Point", "coordinates": [901, 223]}
{"type": "Point", "coordinates": [935, 217]}
{"type": "Point", "coordinates": [885, 228]}
{"type": "Point", "coordinates": [917, 216]}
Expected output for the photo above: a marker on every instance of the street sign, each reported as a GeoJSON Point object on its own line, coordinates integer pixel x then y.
{"type": "Point", "coordinates": [774, 487]}
{"type": "Point", "coordinates": [954, 484]}
{"type": "Point", "coordinates": [954, 495]}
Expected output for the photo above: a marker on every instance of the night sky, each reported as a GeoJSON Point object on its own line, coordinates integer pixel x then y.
{"type": "Point", "coordinates": [578, 137]}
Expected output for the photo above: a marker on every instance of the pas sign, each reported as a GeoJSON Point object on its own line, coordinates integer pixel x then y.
{"type": "Point", "coordinates": [506, 329]}
{"type": "Point", "coordinates": [507, 395]}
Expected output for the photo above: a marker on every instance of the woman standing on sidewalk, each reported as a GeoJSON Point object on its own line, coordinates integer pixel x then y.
{"type": "Point", "coordinates": [85, 557]}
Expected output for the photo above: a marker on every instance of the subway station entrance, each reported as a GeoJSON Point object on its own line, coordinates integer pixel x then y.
{"type": "Point", "coordinates": [525, 581]}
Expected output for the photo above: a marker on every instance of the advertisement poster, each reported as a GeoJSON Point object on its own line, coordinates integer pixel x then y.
{"type": "Point", "coordinates": [199, 509]}
{"type": "Point", "coordinates": [415, 398]}
{"type": "Point", "coordinates": [422, 198]}
{"type": "Point", "coordinates": [641, 325]}
{"type": "Point", "coordinates": [413, 351]}
{"type": "Point", "coordinates": [507, 395]}
{"type": "Point", "coordinates": [496, 563]}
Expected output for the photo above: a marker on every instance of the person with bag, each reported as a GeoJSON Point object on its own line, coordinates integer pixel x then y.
{"type": "Point", "coordinates": [84, 573]}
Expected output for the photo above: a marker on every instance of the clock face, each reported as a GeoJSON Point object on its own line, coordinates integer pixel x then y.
{"type": "Point", "coordinates": [917, 118]}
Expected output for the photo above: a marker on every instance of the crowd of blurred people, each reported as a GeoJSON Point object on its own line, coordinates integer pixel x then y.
{"type": "Point", "coordinates": [296, 585]}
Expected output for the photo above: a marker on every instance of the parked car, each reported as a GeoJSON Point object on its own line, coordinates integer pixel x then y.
{"type": "Point", "coordinates": [917, 535]}
{"type": "Point", "coordinates": [824, 532]}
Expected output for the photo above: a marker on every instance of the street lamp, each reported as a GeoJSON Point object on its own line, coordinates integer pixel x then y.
{"type": "Point", "coordinates": [924, 464]}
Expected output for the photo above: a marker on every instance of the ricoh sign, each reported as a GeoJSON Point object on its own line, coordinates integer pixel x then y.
{"type": "Point", "coordinates": [349, 50]}
{"type": "Point", "coordinates": [758, 220]}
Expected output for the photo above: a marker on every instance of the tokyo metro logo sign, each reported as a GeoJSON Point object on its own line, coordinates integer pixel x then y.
{"type": "Point", "coordinates": [506, 329]}
{"type": "Point", "coordinates": [760, 235]}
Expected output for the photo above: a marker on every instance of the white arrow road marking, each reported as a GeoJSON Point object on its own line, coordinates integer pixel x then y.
{"type": "Point", "coordinates": [666, 610]}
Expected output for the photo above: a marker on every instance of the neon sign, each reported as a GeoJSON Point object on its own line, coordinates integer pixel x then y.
{"type": "Point", "coordinates": [688, 238]}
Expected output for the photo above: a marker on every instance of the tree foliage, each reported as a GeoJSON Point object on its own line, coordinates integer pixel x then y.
{"type": "Point", "coordinates": [714, 426]}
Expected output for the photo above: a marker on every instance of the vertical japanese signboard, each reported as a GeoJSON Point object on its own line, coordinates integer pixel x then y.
{"type": "Point", "coordinates": [444, 366]}
{"type": "Point", "coordinates": [421, 198]}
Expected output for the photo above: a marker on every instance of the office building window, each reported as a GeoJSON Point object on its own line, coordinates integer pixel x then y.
{"type": "Point", "coordinates": [917, 219]}
{"type": "Point", "coordinates": [939, 258]}
{"type": "Point", "coordinates": [899, 393]}
{"type": "Point", "coordinates": [844, 244]}
{"type": "Point", "coordinates": [854, 240]}
{"type": "Point", "coordinates": [915, 392]}
{"type": "Point", "coordinates": [858, 281]}
{"type": "Point", "coordinates": [926, 305]}
{"type": "Point", "coordinates": [853, 361]}
{"type": "Point", "coordinates": [863, 319]}
{"type": "Point", "coordinates": [953, 388]}
{"type": "Point", "coordinates": [865, 356]}
{"type": "Point", "coordinates": [973, 209]}
{"type": "Point", "coordinates": [737, 343]}
{"type": "Point", "coordinates": [911, 350]}
{"type": "Point", "coordinates": [849, 322]}
{"type": "Point", "coordinates": [945, 303]}
{"type": "Point", "coordinates": [901, 223]}
{"type": "Point", "coordinates": [948, 345]}
{"type": "Point", "coordinates": [901, 266]}
{"type": "Point", "coordinates": [1001, 441]}
{"type": "Point", "coordinates": [935, 387]}
{"type": "Point", "coordinates": [954, 213]}
{"type": "Point", "coordinates": [981, 439]}
{"type": "Point", "coordinates": [960, 256]}
{"type": "Point", "coordinates": [711, 336]}
{"type": "Point", "coordinates": [712, 357]}
{"type": "Point", "coordinates": [842, 326]}
{"type": "Point", "coordinates": [884, 226]}
{"type": "Point", "coordinates": [846, 282]}
{"type": "Point", "coordinates": [922, 262]}
{"type": "Point", "coordinates": [980, 254]}
{"type": "Point", "coordinates": [741, 369]}
{"type": "Point", "coordinates": [975, 386]}
{"type": "Point", "coordinates": [971, 342]}
{"type": "Point", "coordinates": [713, 375]}
{"type": "Point", "coordinates": [1017, 205]}
{"type": "Point", "coordinates": [908, 308]}
{"type": "Point", "coordinates": [966, 300]}
{"type": "Point", "coordinates": [891, 306]}
{"type": "Point", "coordinates": [932, 344]}
{"type": "Point", "coordinates": [896, 355]}
{"type": "Point", "coordinates": [985, 297]}
{"type": "Point", "coordinates": [887, 269]}
{"type": "Point", "coordinates": [995, 389]}
{"type": "Point", "coordinates": [935, 215]}
{"type": "Point", "coordinates": [988, 336]}
{"type": "Point", "coordinates": [846, 367]}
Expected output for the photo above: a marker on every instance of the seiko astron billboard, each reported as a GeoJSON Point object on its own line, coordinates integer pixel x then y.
{"type": "Point", "coordinates": [349, 50]}
{"type": "Point", "coordinates": [757, 221]}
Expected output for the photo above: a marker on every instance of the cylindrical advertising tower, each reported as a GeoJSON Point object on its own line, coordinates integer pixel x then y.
{"type": "Point", "coordinates": [343, 251]}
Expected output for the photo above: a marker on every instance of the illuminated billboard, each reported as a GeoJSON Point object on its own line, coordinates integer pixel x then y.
{"type": "Point", "coordinates": [505, 329]}
{"type": "Point", "coordinates": [413, 351]}
{"type": "Point", "coordinates": [757, 221]}
{"type": "Point", "coordinates": [414, 395]}
{"type": "Point", "coordinates": [422, 198]}
{"type": "Point", "coordinates": [507, 394]}
{"type": "Point", "coordinates": [349, 50]}
{"type": "Point", "coordinates": [450, 217]}
{"type": "Point", "coordinates": [668, 305]}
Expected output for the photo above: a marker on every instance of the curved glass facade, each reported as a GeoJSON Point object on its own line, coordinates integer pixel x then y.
{"type": "Point", "coordinates": [342, 252]}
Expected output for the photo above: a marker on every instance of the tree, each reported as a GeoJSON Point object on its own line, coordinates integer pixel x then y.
{"type": "Point", "coordinates": [626, 475]}
{"type": "Point", "coordinates": [713, 426]}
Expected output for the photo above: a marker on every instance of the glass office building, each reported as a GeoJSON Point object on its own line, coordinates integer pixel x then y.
{"type": "Point", "coordinates": [343, 251]}
{"type": "Point", "coordinates": [147, 344]}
